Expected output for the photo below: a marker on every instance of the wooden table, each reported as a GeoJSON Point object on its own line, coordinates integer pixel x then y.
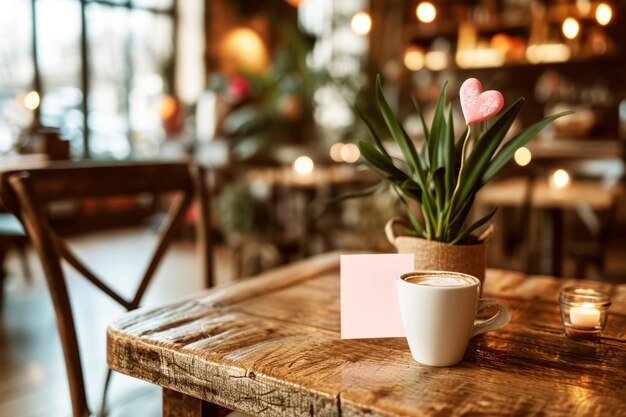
{"type": "Point", "coordinates": [514, 192]}
{"type": "Point", "coordinates": [270, 346]}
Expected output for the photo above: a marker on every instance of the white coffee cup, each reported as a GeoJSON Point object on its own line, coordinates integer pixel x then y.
{"type": "Point", "coordinates": [439, 314]}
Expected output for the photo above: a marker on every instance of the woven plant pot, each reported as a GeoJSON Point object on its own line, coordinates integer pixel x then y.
{"type": "Point", "coordinates": [437, 256]}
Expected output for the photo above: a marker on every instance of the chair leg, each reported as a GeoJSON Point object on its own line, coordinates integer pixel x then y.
{"type": "Point", "coordinates": [2, 276]}
{"type": "Point", "coordinates": [23, 255]}
{"type": "Point", "coordinates": [103, 403]}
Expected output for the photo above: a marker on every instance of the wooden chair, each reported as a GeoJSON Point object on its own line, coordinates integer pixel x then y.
{"type": "Point", "coordinates": [12, 238]}
{"type": "Point", "coordinates": [28, 192]}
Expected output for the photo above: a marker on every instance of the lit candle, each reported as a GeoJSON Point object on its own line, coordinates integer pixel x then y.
{"type": "Point", "coordinates": [586, 316]}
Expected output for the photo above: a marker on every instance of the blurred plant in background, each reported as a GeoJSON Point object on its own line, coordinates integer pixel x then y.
{"type": "Point", "coordinates": [272, 108]}
{"type": "Point", "coordinates": [366, 217]}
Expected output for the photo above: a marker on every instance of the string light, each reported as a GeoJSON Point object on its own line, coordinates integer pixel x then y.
{"type": "Point", "coordinates": [32, 100]}
{"type": "Point", "coordinates": [303, 165]}
{"type": "Point", "coordinates": [559, 179]}
{"type": "Point", "coordinates": [523, 156]}
{"type": "Point", "coordinates": [414, 58]}
{"type": "Point", "coordinates": [436, 60]}
{"type": "Point", "coordinates": [571, 28]}
{"type": "Point", "coordinates": [604, 14]}
{"type": "Point", "coordinates": [426, 12]}
{"type": "Point", "coordinates": [350, 153]}
{"type": "Point", "coordinates": [335, 152]}
{"type": "Point", "coordinates": [361, 23]}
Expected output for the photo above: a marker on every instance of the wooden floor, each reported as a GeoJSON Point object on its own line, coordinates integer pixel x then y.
{"type": "Point", "coordinates": [32, 373]}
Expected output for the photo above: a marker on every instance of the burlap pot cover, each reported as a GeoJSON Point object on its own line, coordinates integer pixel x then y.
{"type": "Point", "coordinates": [438, 256]}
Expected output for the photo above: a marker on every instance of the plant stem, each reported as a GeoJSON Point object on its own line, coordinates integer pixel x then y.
{"type": "Point", "coordinates": [458, 180]}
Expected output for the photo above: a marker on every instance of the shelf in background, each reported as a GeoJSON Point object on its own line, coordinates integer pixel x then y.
{"type": "Point", "coordinates": [576, 149]}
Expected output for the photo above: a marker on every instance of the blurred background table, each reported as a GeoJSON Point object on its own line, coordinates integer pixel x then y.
{"type": "Point", "coordinates": [586, 197]}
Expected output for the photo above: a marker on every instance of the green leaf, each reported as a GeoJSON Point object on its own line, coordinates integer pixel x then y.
{"type": "Point", "coordinates": [411, 189]}
{"type": "Point", "coordinates": [399, 135]}
{"type": "Point", "coordinates": [244, 120]}
{"type": "Point", "coordinates": [375, 136]}
{"type": "Point", "coordinates": [414, 221]}
{"type": "Point", "coordinates": [359, 194]}
{"type": "Point", "coordinates": [248, 146]}
{"type": "Point", "coordinates": [407, 147]}
{"type": "Point", "coordinates": [508, 149]}
{"type": "Point", "coordinates": [480, 156]}
{"type": "Point", "coordinates": [440, 187]}
{"type": "Point", "coordinates": [448, 157]}
{"type": "Point", "coordinates": [437, 128]}
{"type": "Point", "coordinates": [379, 161]}
{"type": "Point", "coordinates": [418, 110]}
{"type": "Point", "coordinates": [474, 226]}
{"type": "Point", "coordinates": [459, 218]}
{"type": "Point", "coordinates": [428, 210]}
{"type": "Point", "coordinates": [410, 232]}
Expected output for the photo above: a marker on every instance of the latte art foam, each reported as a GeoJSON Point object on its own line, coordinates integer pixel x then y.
{"type": "Point", "coordinates": [439, 281]}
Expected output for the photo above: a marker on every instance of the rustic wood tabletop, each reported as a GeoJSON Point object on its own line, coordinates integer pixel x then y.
{"type": "Point", "coordinates": [270, 346]}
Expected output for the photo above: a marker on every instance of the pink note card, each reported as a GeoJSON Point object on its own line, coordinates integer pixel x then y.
{"type": "Point", "coordinates": [369, 299]}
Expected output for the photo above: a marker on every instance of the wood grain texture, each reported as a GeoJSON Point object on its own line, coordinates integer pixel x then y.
{"type": "Point", "coordinates": [176, 404]}
{"type": "Point", "coordinates": [270, 346]}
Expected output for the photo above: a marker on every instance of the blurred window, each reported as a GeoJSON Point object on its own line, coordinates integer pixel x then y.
{"type": "Point", "coordinates": [16, 70]}
{"type": "Point", "coordinates": [130, 58]}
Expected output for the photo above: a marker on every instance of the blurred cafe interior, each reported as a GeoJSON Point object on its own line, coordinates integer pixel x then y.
{"type": "Point", "coordinates": [252, 110]}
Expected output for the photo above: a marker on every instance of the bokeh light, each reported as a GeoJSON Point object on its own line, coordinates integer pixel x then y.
{"type": "Point", "coordinates": [303, 165]}
{"type": "Point", "coordinates": [335, 152]}
{"type": "Point", "coordinates": [571, 28]}
{"type": "Point", "coordinates": [244, 50]}
{"type": "Point", "coordinates": [414, 58]}
{"type": "Point", "coordinates": [560, 179]}
{"type": "Point", "coordinates": [361, 23]}
{"type": "Point", "coordinates": [350, 153]}
{"type": "Point", "coordinates": [426, 12]}
{"type": "Point", "coordinates": [32, 100]}
{"type": "Point", "coordinates": [523, 156]}
{"type": "Point", "coordinates": [604, 14]}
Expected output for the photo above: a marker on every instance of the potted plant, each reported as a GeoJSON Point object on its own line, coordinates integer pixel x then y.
{"type": "Point", "coordinates": [443, 177]}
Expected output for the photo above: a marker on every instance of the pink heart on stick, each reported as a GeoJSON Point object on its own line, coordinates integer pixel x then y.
{"type": "Point", "coordinates": [478, 105]}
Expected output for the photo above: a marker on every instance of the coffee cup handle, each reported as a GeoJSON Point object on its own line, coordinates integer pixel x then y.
{"type": "Point", "coordinates": [500, 319]}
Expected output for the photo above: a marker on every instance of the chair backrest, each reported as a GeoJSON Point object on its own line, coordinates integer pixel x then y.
{"type": "Point", "coordinates": [28, 192]}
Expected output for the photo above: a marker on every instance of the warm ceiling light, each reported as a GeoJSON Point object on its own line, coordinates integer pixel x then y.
{"type": "Point", "coordinates": [244, 50]}
{"type": "Point", "coordinates": [571, 28]}
{"type": "Point", "coordinates": [523, 156]}
{"type": "Point", "coordinates": [361, 23]}
{"type": "Point", "coordinates": [414, 58]}
{"type": "Point", "coordinates": [32, 100]}
{"type": "Point", "coordinates": [303, 165]}
{"type": "Point", "coordinates": [335, 152]}
{"type": "Point", "coordinates": [350, 153]}
{"type": "Point", "coordinates": [604, 14]}
{"type": "Point", "coordinates": [426, 12]}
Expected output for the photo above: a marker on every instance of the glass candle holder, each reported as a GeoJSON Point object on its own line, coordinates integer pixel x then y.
{"type": "Point", "coordinates": [584, 312]}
